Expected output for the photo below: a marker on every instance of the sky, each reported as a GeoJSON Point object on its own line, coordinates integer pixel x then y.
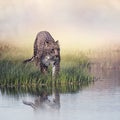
{"type": "Point", "coordinates": [76, 24]}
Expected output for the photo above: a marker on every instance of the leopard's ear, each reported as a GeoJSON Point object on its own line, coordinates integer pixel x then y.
{"type": "Point", "coordinates": [57, 41]}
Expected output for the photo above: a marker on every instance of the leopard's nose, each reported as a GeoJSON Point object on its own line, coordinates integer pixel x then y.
{"type": "Point", "coordinates": [56, 56]}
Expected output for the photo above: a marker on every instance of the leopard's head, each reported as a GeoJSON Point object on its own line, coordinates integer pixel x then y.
{"type": "Point", "coordinates": [52, 49]}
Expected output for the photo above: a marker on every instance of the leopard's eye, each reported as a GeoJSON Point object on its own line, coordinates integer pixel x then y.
{"type": "Point", "coordinates": [52, 50]}
{"type": "Point", "coordinates": [58, 49]}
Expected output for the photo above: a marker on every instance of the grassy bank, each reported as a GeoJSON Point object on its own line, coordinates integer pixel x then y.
{"type": "Point", "coordinates": [14, 73]}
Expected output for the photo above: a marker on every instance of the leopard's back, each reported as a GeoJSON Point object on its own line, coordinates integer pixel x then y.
{"type": "Point", "coordinates": [40, 40]}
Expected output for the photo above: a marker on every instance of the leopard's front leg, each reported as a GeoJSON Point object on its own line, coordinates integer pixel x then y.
{"type": "Point", "coordinates": [43, 68]}
{"type": "Point", "coordinates": [55, 69]}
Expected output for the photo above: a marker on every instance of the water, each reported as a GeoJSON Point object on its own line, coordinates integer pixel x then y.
{"type": "Point", "coordinates": [98, 101]}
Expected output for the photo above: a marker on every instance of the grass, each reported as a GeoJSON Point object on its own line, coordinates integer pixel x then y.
{"type": "Point", "coordinates": [106, 58]}
{"type": "Point", "coordinates": [14, 73]}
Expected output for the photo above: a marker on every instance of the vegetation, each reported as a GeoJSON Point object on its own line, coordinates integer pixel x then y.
{"type": "Point", "coordinates": [105, 58]}
{"type": "Point", "coordinates": [14, 73]}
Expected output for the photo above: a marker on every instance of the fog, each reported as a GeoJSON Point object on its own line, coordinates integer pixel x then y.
{"type": "Point", "coordinates": [75, 23]}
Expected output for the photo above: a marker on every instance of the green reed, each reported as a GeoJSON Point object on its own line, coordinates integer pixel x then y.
{"type": "Point", "coordinates": [14, 73]}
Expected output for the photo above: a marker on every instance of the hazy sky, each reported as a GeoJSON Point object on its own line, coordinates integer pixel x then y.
{"type": "Point", "coordinates": [75, 23]}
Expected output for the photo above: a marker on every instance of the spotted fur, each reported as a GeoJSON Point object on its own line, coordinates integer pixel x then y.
{"type": "Point", "coordinates": [46, 52]}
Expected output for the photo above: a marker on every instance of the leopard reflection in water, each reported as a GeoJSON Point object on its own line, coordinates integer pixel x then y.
{"type": "Point", "coordinates": [42, 102]}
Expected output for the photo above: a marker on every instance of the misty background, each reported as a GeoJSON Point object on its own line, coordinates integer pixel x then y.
{"type": "Point", "coordinates": [76, 24]}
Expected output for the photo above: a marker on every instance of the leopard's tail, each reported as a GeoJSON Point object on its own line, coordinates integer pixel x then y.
{"type": "Point", "coordinates": [34, 53]}
{"type": "Point", "coordinates": [29, 60]}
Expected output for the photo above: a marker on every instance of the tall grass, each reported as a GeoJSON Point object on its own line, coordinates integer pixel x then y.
{"type": "Point", "coordinates": [105, 58]}
{"type": "Point", "coordinates": [14, 73]}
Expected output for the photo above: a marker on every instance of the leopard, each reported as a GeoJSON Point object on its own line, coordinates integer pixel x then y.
{"type": "Point", "coordinates": [46, 53]}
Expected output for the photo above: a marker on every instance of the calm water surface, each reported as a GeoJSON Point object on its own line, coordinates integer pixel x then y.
{"type": "Point", "coordinates": [98, 101]}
